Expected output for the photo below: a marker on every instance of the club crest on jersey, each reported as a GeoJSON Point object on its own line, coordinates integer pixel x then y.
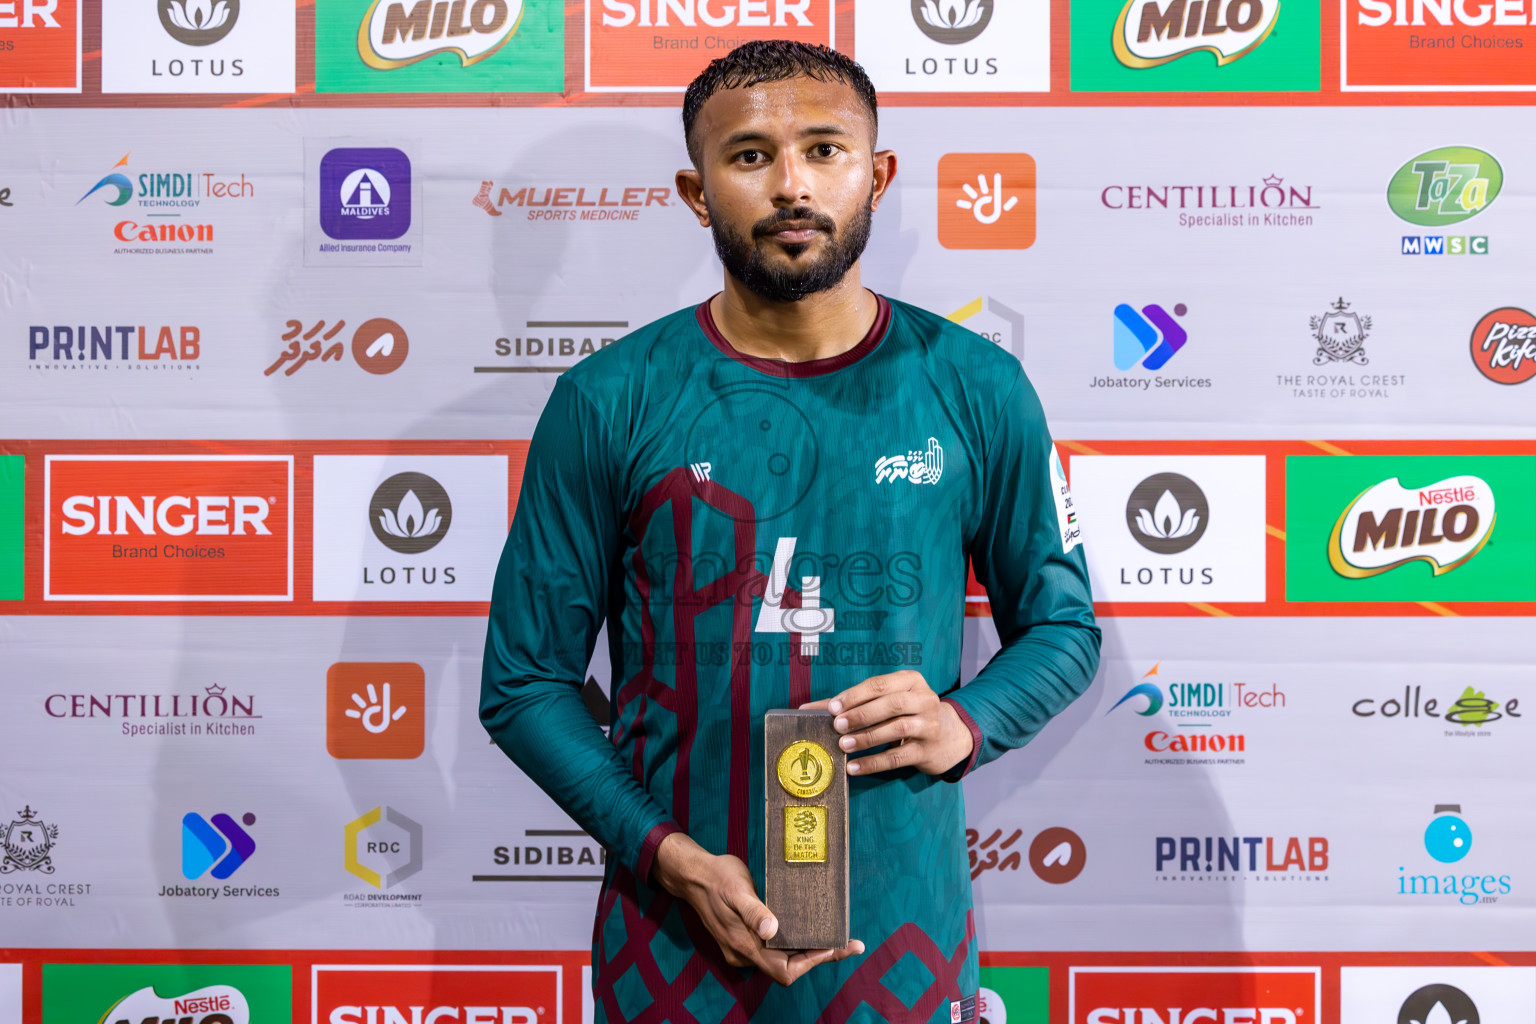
{"type": "Point", "coordinates": [916, 467]}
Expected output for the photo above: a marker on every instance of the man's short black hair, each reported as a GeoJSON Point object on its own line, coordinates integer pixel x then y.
{"type": "Point", "coordinates": [771, 60]}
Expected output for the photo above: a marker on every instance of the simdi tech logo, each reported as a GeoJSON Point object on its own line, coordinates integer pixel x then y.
{"type": "Point", "coordinates": [168, 528]}
{"type": "Point", "coordinates": [661, 45]}
{"type": "Point", "coordinates": [394, 46]}
{"type": "Point", "coordinates": [446, 993]}
{"type": "Point", "coordinates": [1150, 995]}
{"type": "Point", "coordinates": [40, 45]}
{"type": "Point", "coordinates": [1196, 46]}
{"type": "Point", "coordinates": [198, 46]}
{"type": "Point", "coordinates": [986, 200]}
{"type": "Point", "coordinates": [1434, 46]}
{"type": "Point", "coordinates": [955, 45]}
{"type": "Point", "coordinates": [1410, 528]}
{"type": "Point", "coordinates": [173, 207]}
{"type": "Point", "coordinates": [195, 993]}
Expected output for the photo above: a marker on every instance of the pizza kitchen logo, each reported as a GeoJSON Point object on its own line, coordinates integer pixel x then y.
{"type": "Point", "coordinates": [1504, 345]}
{"type": "Point", "coordinates": [1149, 33]}
{"type": "Point", "coordinates": [1443, 525]}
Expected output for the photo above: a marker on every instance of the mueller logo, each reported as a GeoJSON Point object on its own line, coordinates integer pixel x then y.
{"type": "Point", "coordinates": [572, 202]}
{"type": "Point", "coordinates": [194, 528]}
{"type": "Point", "coordinates": [215, 1004]}
{"type": "Point", "coordinates": [395, 33]}
{"type": "Point", "coordinates": [1388, 525]}
{"type": "Point", "coordinates": [1149, 33]}
{"type": "Point", "coordinates": [1504, 346]}
{"type": "Point", "coordinates": [1195, 995]}
{"type": "Point", "coordinates": [436, 994]}
{"type": "Point", "coordinates": [78, 346]}
{"type": "Point", "coordinates": [1149, 338]}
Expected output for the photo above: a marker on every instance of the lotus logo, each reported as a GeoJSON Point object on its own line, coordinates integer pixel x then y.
{"type": "Point", "coordinates": [1150, 32]}
{"type": "Point", "coordinates": [1388, 525]}
{"type": "Point", "coordinates": [395, 33]}
{"type": "Point", "coordinates": [1167, 513]}
{"type": "Point", "coordinates": [1438, 1004]}
{"type": "Point", "coordinates": [952, 21]}
{"type": "Point", "coordinates": [199, 22]}
{"type": "Point", "coordinates": [410, 513]}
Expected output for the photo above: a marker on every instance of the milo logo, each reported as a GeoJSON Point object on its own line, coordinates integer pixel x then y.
{"type": "Point", "coordinates": [395, 33]}
{"type": "Point", "coordinates": [1152, 32]}
{"type": "Point", "coordinates": [215, 1004]}
{"type": "Point", "coordinates": [1445, 186]}
{"type": "Point", "coordinates": [1389, 525]}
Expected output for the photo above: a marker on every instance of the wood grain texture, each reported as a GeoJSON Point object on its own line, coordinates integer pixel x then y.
{"type": "Point", "coordinates": [810, 898]}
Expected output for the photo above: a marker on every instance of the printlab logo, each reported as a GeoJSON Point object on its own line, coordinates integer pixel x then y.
{"type": "Point", "coordinates": [395, 35]}
{"type": "Point", "coordinates": [375, 710]}
{"type": "Point", "coordinates": [986, 201]}
{"type": "Point", "coordinates": [1148, 34]}
{"type": "Point", "coordinates": [379, 346]}
{"type": "Point", "coordinates": [1448, 840]}
{"type": "Point", "coordinates": [917, 466]}
{"type": "Point", "coordinates": [410, 513]}
{"type": "Point", "coordinates": [952, 22]}
{"type": "Point", "coordinates": [1340, 335]}
{"type": "Point", "coordinates": [1443, 188]}
{"type": "Point", "coordinates": [219, 844]}
{"type": "Point", "coordinates": [383, 848]}
{"type": "Point", "coordinates": [1167, 513]}
{"type": "Point", "coordinates": [365, 193]}
{"type": "Point", "coordinates": [1504, 346]}
{"type": "Point", "coordinates": [1057, 856]}
{"type": "Point", "coordinates": [27, 843]}
{"type": "Point", "coordinates": [1147, 339]}
{"type": "Point", "coordinates": [198, 22]}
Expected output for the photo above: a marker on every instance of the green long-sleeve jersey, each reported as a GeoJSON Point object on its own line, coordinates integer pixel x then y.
{"type": "Point", "coordinates": [757, 534]}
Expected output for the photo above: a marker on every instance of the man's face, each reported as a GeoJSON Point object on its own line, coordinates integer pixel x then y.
{"type": "Point", "coordinates": [789, 182]}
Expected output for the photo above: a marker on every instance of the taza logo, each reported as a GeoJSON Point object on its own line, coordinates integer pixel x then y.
{"type": "Point", "coordinates": [198, 22]}
{"type": "Point", "coordinates": [410, 513]}
{"type": "Point", "coordinates": [1445, 186]}
{"type": "Point", "coordinates": [27, 843]}
{"type": "Point", "coordinates": [1149, 33]}
{"type": "Point", "coordinates": [1504, 346]}
{"type": "Point", "coordinates": [952, 21]}
{"type": "Point", "coordinates": [1388, 525]}
{"type": "Point", "coordinates": [1340, 335]}
{"type": "Point", "coordinates": [1167, 513]}
{"type": "Point", "coordinates": [395, 33]}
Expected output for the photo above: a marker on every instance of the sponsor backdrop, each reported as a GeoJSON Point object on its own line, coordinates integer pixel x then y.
{"type": "Point", "coordinates": [286, 288]}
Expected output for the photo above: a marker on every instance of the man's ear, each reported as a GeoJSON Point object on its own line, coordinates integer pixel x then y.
{"type": "Point", "coordinates": [885, 173]}
{"type": "Point", "coordinates": [690, 185]}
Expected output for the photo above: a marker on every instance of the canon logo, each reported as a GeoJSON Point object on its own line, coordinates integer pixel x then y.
{"type": "Point", "coordinates": [204, 514]}
{"type": "Point", "coordinates": [620, 13]}
{"type": "Point", "coordinates": [435, 1015]}
{"type": "Point", "coordinates": [1443, 12]}
{"type": "Point", "coordinates": [1200, 1015]}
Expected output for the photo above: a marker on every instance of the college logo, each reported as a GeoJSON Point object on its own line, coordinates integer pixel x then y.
{"type": "Point", "coordinates": [1147, 339]}
{"type": "Point", "coordinates": [167, 527]}
{"type": "Point", "coordinates": [1435, 47]}
{"type": "Point", "coordinates": [383, 848]}
{"type": "Point", "coordinates": [1147, 33]}
{"type": "Point", "coordinates": [188, 993]}
{"type": "Point", "coordinates": [1167, 513]}
{"type": "Point", "coordinates": [986, 201]}
{"type": "Point", "coordinates": [1504, 346]}
{"type": "Point", "coordinates": [379, 346]}
{"type": "Point", "coordinates": [218, 847]}
{"type": "Point", "coordinates": [1445, 186]}
{"type": "Point", "coordinates": [1431, 994]}
{"type": "Point", "coordinates": [198, 22]}
{"type": "Point", "coordinates": [467, 993]}
{"type": "Point", "coordinates": [1340, 335]}
{"type": "Point", "coordinates": [365, 193]}
{"type": "Point", "coordinates": [375, 710]}
{"type": "Point", "coordinates": [41, 43]}
{"type": "Point", "coordinates": [1473, 710]}
{"type": "Point", "coordinates": [955, 45]}
{"type": "Point", "coordinates": [28, 843]}
{"type": "Point", "coordinates": [1448, 840]}
{"type": "Point", "coordinates": [1057, 856]}
{"type": "Point", "coordinates": [396, 33]}
{"type": "Point", "coordinates": [1410, 528]}
{"type": "Point", "coordinates": [1140, 995]}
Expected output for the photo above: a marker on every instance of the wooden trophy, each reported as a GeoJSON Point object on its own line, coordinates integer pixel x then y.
{"type": "Point", "coordinates": [806, 830]}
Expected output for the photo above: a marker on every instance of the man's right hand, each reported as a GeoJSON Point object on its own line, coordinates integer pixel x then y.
{"type": "Point", "coordinates": [719, 889]}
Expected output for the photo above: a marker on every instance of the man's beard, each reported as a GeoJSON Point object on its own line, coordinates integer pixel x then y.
{"type": "Point", "coordinates": [746, 260]}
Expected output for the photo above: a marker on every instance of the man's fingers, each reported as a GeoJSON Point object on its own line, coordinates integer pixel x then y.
{"type": "Point", "coordinates": [757, 917]}
{"type": "Point", "coordinates": [869, 689]}
{"type": "Point", "coordinates": [893, 757]}
{"type": "Point", "coordinates": [816, 705]}
{"type": "Point", "coordinates": [883, 709]}
{"type": "Point", "coordinates": [893, 731]}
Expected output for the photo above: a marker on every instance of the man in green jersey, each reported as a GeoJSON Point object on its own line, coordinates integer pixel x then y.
{"type": "Point", "coordinates": [770, 498]}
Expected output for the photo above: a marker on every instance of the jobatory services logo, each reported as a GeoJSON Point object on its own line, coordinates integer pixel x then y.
{"type": "Point", "coordinates": [198, 46]}
{"type": "Point", "coordinates": [1436, 994]}
{"type": "Point", "coordinates": [173, 211]}
{"type": "Point", "coordinates": [1448, 840]}
{"type": "Point", "coordinates": [1142, 995]}
{"type": "Point", "coordinates": [13, 541]}
{"type": "Point", "coordinates": [1471, 713]}
{"type": "Point", "coordinates": [994, 320]}
{"type": "Point", "coordinates": [986, 200]}
{"type": "Point", "coordinates": [408, 528]}
{"type": "Point", "coordinates": [955, 45]}
{"type": "Point", "coordinates": [378, 345]}
{"type": "Point", "coordinates": [383, 848]}
{"type": "Point", "coordinates": [1504, 345]}
{"type": "Point", "coordinates": [1387, 46]}
{"type": "Point", "coordinates": [168, 528]}
{"type": "Point", "coordinates": [1195, 46]}
{"type": "Point", "coordinates": [395, 46]}
{"type": "Point", "coordinates": [216, 711]}
{"type": "Point", "coordinates": [661, 45]}
{"type": "Point", "coordinates": [553, 346]}
{"type": "Point", "coordinates": [547, 855]}
{"type": "Point", "coordinates": [41, 43]}
{"type": "Point", "coordinates": [1410, 528]}
{"type": "Point", "coordinates": [1202, 716]}
{"type": "Point", "coordinates": [216, 847]}
{"type": "Point", "coordinates": [141, 347]}
{"type": "Point", "coordinates": [594, 203]}
{"type": "Point", "coordinates": [447, 993]}
{"type": "Point", "coordinates": [188, 993]}
{"type": "Point", "coordinates": [375, 710]}
{"type": "Point", "coordinates": [1264, 204]}
{"type": "Point", "coordinates": [1441, 189]}
{"type": "Point", "coordinates": [1176, 528]}
{"type": "Point", "coordinates": [1148, 338]}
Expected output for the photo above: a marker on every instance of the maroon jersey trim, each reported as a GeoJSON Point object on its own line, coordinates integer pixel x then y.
{"type": "Point", "coordinates": [809, 368]}
{"type": "Point", "coordinates": [648, 848]}
{"type": "Point", "coordinates": [957, 773]}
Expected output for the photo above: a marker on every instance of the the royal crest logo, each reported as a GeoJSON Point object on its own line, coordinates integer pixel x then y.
{"type": "Point", "coordinates": [1444, 525]}
{"type": "Point", "coordinates": [1340, 335]}
{"type": "Point", "coordinates": [1149, 33]}
{"type": "Point", "coordinates": [27, 843]}
{"type": "Point", "coordinates": [918, 467]}
{"type": "Point", "coordinates": [395, 33]}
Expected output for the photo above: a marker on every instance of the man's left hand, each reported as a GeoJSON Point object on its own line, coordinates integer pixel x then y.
{"type": "Point", "coordinates": [900, 709]}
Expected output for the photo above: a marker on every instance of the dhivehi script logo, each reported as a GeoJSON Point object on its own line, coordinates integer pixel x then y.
{"type": "Point", "coordinates": [213, 1004]}
{"type": "Point", "coordinates": [1389, 525]}
{"type": "Point", "coordinates": [1149, 32]}
{"type": "Point", "coordinates": [395, 33]}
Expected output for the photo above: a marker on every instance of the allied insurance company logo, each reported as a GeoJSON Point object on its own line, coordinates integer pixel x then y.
{"type": "Point", "coordinates": [986, 200]}
{"type": "Point", "coordinates": [375, 710]}
{"type": "Point", "coordinates": [457, 993]}
{"type": "Point", "coordinates": [1447, 841]}
{"type": "Point", "coordinates": [1146, 995]}
{"type": "Point", "coordinates": [1440, 189]}
{"type": "Point", "coordinates": [41, 43]}
{"type": "Point", "coordinates": [1149, 33]}
{"type": "Point", "coordinates": [365, 193]}
{"type": "Point", "coordinates": [397, 33]}
{"type": "Point", "coordinates": [1504, 345]}
{"type": "Point", "coordinates": [168, 527]}
{"type": "Point", "coordinates": [378, 346]}
{"type": "Point", "coordinates": [165, 197]}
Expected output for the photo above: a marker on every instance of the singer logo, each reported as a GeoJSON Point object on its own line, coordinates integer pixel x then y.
{"type": "Point", "coordinates": [395, 33]}
{"type": "Point", "coordinates": [186, 528]}
{"type": "Point", "coordinates": [1437, 45]}
{"type": "Point", "coordinates": [986, 201]}
{"type": "Point", "coordinates": [1149, 33]}
{"type": "Point", "coordinates": [1233, 995]}
{"type": "Point", "coordinates": [1443, 525]}
{"type": "Point", "coordinates": [441, 994]}
{"type": "Point", "coordinates": [375, 710]}
{"type": "Point", "coordinates": [40, 41]}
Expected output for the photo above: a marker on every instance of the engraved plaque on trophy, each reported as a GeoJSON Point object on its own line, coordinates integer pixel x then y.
{"type": "Point", "coordinates": [806, 830]}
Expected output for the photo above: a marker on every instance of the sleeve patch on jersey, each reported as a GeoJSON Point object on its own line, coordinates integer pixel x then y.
{"type": "Point", "coordinates": [1066, 512]}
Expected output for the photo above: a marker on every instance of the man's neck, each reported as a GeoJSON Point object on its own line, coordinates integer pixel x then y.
{"type": "Point", "coordinates": [819, 326]}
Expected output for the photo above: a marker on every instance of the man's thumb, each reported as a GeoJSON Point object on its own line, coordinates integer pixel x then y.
{"type": "Point", "coordinates": [756, 916]}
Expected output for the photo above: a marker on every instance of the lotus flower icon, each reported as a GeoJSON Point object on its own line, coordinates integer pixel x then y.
{"type": "Point", "coordinates": [198, 15]}
{"type": "Point", "coordinates": [1167, 513]}
{"type": "Point", "coordinates": [410, 513]}
{"type": "Point", "coordinates": [410, 519]}
{"type": "Point", "coordinates": [953, 14]}
{"type": "Point", "coordinates": [1167, 521]}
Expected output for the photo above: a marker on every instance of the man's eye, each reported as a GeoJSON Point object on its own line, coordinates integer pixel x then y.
{"type": "Point", "coordinates": [750, 156]}
{"type": "Point", "coordinates": [826, 149]}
